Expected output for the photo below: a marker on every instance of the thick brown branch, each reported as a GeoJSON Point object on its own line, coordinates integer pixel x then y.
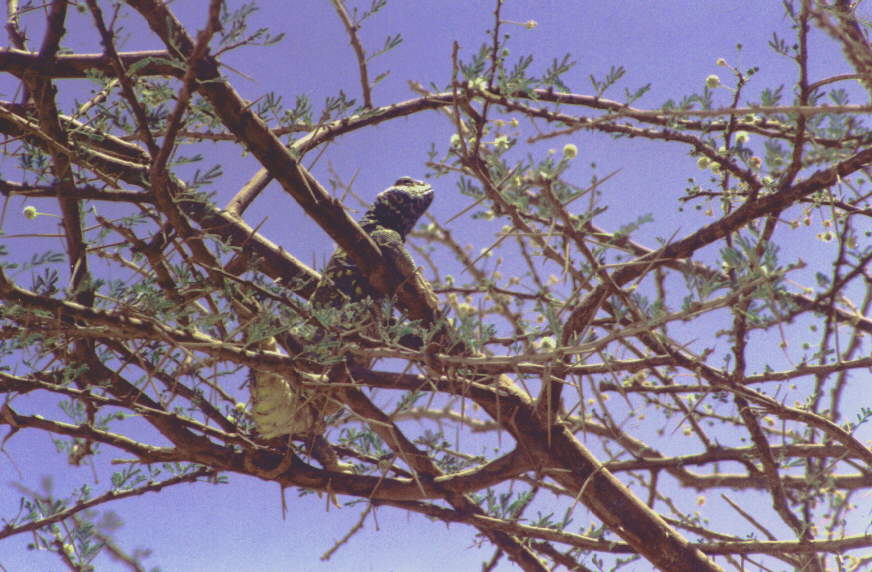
{"type": "Point", "coordinates": [147, 63]}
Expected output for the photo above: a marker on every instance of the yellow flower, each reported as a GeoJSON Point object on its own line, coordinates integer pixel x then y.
{"type": "Point", "coordinates": [502, 143]}
{"type": "Point", "coordinates": [570, 151]}
{"type": "Point", "coordinates": [478, 83]}
{"type": "Point", "coordinates": [530, 24]}
{"type": "Point", "coordinates": [466, 309]}
{"type": "Point", "coordinates": [721, 62]}
{"type": "Point", "coordinates": [713, 81]}
{"type": "Point", "coordinates": [31, 213]}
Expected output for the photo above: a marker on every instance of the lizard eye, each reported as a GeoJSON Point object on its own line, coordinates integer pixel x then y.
{"type": "Point", "coordinates": [407, 182]}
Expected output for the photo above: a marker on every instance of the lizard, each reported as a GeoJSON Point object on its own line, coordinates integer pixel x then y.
{"type": "Point", "coordinates": [281, 408]}
{"type": "Point", "coordinates": [393, 214]}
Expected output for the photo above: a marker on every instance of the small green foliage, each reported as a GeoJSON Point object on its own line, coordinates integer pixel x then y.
{"type": "Point", "coordinates": [128, 477]}
{"type": "Point", "coordinates": [390, 43]}
{"type": "Point", "coordinates": [476, 66]}
{"type": "Point", "coordinates": [364, 441]}
{"type": "Point", "coordinates": [234, 29]}
{"type": "Point", "coordinates": [358, 16]}
{"type": "Point", "coordinates": [780, 45]}
{"type": "Point", "coordinates": [335, 107]}
{"type": "Point", "coordinates": [504, 505]}
{"type": "Point", "coordinates": [553, 75]}
{"type": "Point", "coordinates": [300, 113]}
{"type": "Point", "coordinates": [600, 86]}
{"type": "Point", "coordinates": [205, 178]}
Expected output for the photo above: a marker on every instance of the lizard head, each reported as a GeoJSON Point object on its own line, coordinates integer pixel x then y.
{"type": "Point", "coordinates": [399, 206]}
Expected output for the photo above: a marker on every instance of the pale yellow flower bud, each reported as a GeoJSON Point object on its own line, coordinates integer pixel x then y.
{"type": "Point", "coordinates": [502, 143]}
{"type": "Point", "coordinates": [478, 83]}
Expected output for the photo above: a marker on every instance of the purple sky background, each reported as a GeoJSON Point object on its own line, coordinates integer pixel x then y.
{"type": "Point", "coordinates": [673, 45]}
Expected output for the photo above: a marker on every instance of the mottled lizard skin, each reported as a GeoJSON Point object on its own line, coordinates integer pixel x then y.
{"type": "Point", "coordinates": [391, 217]}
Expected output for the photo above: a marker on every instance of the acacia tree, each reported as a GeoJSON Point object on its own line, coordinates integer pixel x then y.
{"type": "Point", "coordinates": [160, 310]}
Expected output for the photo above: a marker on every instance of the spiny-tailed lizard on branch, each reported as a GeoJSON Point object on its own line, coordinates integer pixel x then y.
{"type": "Point", "coordinates": [282, 406]}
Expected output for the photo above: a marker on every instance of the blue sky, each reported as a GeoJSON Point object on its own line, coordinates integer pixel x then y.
{"type": "Point", "coordinates": [672, 45]}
